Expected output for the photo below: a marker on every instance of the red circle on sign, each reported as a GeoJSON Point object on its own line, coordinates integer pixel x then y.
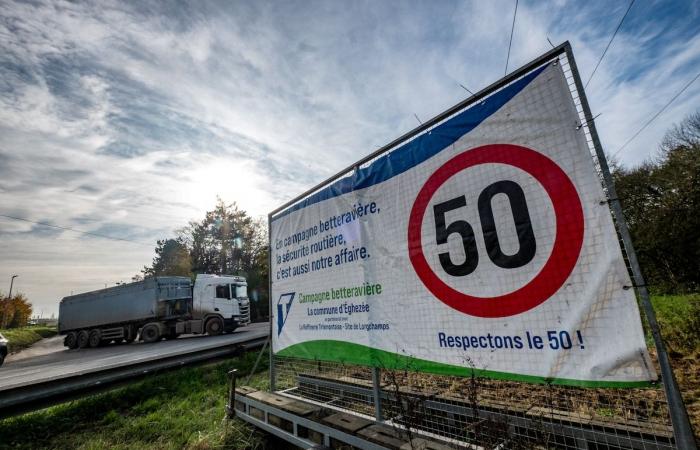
{"type": "Point", "coordinates": [567, 243]}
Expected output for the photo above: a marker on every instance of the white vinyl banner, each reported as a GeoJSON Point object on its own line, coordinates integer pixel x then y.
{"type": "Point", "coordinates": [483, 246]}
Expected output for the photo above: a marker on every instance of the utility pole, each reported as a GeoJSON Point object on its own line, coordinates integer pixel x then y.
{"type": "Point", "coordinates": [12, 281]}
{"type": "Point", "coordinates": [7, 305]}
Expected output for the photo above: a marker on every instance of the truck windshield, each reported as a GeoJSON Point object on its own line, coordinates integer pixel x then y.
{"type": "Point", "coordinates": [241, 290]}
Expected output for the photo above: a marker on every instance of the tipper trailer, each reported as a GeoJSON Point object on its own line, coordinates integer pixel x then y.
{"type": "Point", "coordinates": [155, 308]}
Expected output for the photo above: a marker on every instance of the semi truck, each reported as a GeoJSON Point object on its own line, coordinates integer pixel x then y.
{"type": "Point", "coordinates": [154, 309]}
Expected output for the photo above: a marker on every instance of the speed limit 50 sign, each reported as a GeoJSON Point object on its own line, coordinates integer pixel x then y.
{"type": "Point", "coordinates": [482, 244]}
{"type": "Point", "coordinates": [566, 241]}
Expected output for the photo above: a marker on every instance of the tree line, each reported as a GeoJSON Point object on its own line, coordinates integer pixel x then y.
{"type": "Point", "coordinates": [226, 242]}
{"type": "Point", "coordinates": [661, 203]}
{"type": "Point", "coordinates": [14, 312]}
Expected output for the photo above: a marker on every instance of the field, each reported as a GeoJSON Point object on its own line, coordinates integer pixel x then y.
{"type": "Point", "coordinates": [679, 319]}
{"type": "Point", "coordinates": [20, 338]}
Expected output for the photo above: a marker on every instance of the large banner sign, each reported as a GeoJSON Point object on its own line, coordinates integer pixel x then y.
{"type": "Point", "coordinates": [483, 246]}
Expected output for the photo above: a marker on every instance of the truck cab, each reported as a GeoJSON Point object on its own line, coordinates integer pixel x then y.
{"type": "Point", "coordinates": [223, 296]}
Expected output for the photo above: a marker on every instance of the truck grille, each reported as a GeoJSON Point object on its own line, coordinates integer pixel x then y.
{"type": "Point", "coordinates": [244, 306]}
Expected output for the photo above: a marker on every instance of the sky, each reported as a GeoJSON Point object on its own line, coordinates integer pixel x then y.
{"type": "Point", "coordinates": [128, 119]}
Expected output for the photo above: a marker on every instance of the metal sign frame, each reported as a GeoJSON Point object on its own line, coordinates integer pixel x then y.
{"type": "Point", "coordinates": [682, 429]}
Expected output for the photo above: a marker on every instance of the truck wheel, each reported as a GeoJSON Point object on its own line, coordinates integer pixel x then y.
{"type": "Point", "coordinates": [83, 338]}
{"type": "Point", "coordinates": [214, 327]}
{"type": "Point", "coordinates": [71, 340]}
{"type": "Point", "coordinates": [2, 358]}
{"type": "Point", "coordinates": [150, 333]}
{"type": "Point", "coordinates": [95, 338]}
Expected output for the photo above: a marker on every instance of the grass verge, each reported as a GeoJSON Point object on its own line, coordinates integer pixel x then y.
{"type": "Point", "coordinates": [679, 320]}
{"type": "Point", "coordinates": [21, 338]}
{"type": "Point", "coordinates": [173, 410]}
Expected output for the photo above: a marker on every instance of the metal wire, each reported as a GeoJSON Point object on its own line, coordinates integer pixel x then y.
{"type": "Point", "coordinates": [646, 124]}
{"type": "Point", "coordinates": [619, 25]}
{"type": "Point", "coordinates": [510, 42]}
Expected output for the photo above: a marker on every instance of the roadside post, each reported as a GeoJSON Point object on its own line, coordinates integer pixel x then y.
{"type": "Point", "coordinates": [231, 405]}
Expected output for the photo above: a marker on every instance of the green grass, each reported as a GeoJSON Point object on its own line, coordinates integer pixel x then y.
{"type": "Point", "coordinates": [21, 338]}
{"type": "Point", "coordinates": [679, 320]}
{"type": "Point", "coordinates": [173, 410]}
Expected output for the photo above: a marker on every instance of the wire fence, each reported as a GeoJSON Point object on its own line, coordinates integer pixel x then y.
{"type": "Point", "coordinates": [485, 412]}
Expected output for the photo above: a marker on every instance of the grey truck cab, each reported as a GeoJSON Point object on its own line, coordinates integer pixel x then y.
{"type": "Point", "coordinates": [221, 296]}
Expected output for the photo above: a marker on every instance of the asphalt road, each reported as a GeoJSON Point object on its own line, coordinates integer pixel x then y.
{"type": "Point", "coordinates": [51, 361]}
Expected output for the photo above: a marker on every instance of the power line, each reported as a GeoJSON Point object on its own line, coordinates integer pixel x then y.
{"type": "Point", "coordinates": [657, 114]}
{"type": "Point", "coordinates": [465, 88]}
{"type": "Point", "coordinates": [74, 230]}
{"type": "Point", "coordinates": [510, 43]}
{"type": "Point", "coordinates": [609, 42]}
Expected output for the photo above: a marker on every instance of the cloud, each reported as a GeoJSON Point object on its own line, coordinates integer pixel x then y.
{"type": "Point", "coordinates": [130, 118]}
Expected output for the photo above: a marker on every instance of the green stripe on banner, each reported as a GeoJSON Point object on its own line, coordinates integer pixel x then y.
{"type": "Point", "coordinates": [349, 353]}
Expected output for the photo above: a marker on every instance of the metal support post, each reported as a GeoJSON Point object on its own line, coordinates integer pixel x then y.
{"type": "Point", "coordinates": [269, 298]}
{"type": "Point", "coordinates": [257, 361]}
{"type": "Point", "coordinates": [376, 393]}
{"type": "Point", "coordinates": [272, 371]}
{"type": "Point", "coordinates": [682, 430]}
{"type": "Point", "coordinates": [231, 406]}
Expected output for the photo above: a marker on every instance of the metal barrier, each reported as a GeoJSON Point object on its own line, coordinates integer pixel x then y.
{"type": "Point", "coordinates": [45, 393]}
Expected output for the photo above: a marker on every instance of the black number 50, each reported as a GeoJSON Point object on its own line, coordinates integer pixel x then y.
{"type": "Point", "coordinates": [523, 227]}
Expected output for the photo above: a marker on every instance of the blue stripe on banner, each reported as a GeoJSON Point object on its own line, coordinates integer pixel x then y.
{"type": "Point", "coordinates": [419, 149]}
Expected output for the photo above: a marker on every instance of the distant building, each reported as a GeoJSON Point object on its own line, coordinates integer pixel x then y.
{"type": "Point", "coordinates": [49, 322]}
